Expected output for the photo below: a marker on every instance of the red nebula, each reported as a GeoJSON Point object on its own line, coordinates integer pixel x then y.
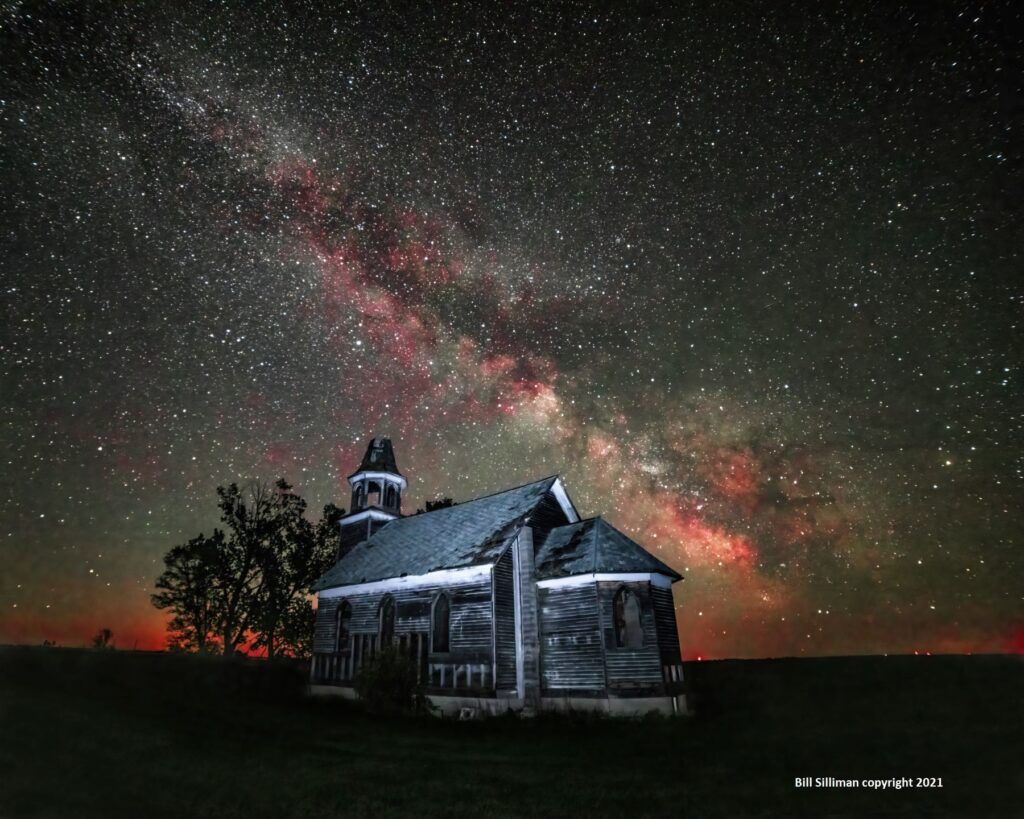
{"type": "Point", "coordinates": [601, 447]}
{"type": "Point", "coordinates": [681, 524]}
{"type": "Point", "coordinates": [736, 476]}
{"type": "Point", "coordinates": [281, 457]}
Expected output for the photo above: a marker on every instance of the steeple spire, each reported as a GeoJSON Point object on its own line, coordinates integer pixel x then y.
{"type": "Point", "coordinates": [380, 457]}
{"type": "Point", "coordinates": [377, 483]}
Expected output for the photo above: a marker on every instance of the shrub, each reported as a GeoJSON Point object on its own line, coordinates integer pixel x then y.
{"type": "Point", "coordinates": [387, 682]}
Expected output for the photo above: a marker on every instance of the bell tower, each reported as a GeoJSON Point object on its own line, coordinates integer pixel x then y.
{"type": "Point", "coordinates": [377, 488]}
{"type": "Point", "coordinates": [377, 483]}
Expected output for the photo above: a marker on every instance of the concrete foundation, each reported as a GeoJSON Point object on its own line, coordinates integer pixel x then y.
{"type": "Point", "coordinates": [619, 706]}
{"type": "Point", "coordinates": [476, 707]}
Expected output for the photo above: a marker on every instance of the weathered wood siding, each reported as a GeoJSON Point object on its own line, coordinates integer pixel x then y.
{"type": "Point", "coordinates": [572, 653]}
{"type": "Point", "coordinates": [665, 623]}
{"type": "Point", "coordinates": [505, 623]}
{"type": "Point", "coordinates": [471, 618]}
{"type": "Point", "coordinates": [631, 670]}
{"type": "Point", "coordinates": [668, 637]}
{"type": "Point", "coordinates": [469, 664]}
{"type": "Point", "coordinates": [528, 617]}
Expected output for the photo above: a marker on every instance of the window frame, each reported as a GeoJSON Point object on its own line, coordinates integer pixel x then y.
{"type": "Point", "coordinates": [386, 601]}
{"type": "Point", "coordinates": [448, 624]}
{"type": "Point", "coordinates": [344, 609]}
{"type": "Point", "coordinates": [621, 639]}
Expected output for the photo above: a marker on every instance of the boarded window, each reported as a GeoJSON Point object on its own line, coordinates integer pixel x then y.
{"type": "Point", "coordinates": [440, 625]}
{"type": "Point", "coordinates": [344, 618]}
{"type": "Point", "coordinates": [629, 632]}
{"type": "Point", "coordinates": [387, 621]}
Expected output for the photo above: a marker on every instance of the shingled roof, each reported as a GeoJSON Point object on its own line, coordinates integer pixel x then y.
{"type": "Point", "coordinates": [467, 534]}
{"type": "Point", "coordinates": [591, 546]}
{"type": "Point", "coordinates": [379, 457]}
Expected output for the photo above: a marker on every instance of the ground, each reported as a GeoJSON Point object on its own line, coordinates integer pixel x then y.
{"type": "Point", "coordinates": [105, 733]}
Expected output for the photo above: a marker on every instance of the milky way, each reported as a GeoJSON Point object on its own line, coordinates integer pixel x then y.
{"type": "Point", "coordinates": [749, 280]}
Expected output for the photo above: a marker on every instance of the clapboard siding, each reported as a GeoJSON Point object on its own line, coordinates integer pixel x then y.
{"type": "Point", "coordinates": [505, 623]}
{"type": "Point", "coordinates": [572, 654]}
{"type": "Point", "coordinates": [471, 626]}
{"type": "Point", "coordinates": [665, 624]}
{"type": "Point", "coordinates": [325, 628]}
{"type": "Point", "coordinates": [631, 667]}
{"type": "Point", "coordinates": [470, 636]}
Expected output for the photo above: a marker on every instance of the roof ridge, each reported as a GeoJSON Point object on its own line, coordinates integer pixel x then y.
{"type": "Point", "coordinates": [484, 497]}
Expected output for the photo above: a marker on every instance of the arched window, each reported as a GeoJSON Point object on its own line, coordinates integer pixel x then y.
{"type": "Point", "coordinates": [372, 493]}
{"type": "Point", "coordinates": [389, 496]}
{"type": "Point", "coordinates": [629, 632]}
{"type": "Point", "coordinates": [344, 618]}
{"type": "Point", "coordinates": [387, 621]}
{"type": "Point", "coordinates": [440, 624]}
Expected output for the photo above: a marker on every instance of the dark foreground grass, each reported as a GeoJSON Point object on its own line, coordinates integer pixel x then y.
{"type": "Point", "coordinates": [114, 734]}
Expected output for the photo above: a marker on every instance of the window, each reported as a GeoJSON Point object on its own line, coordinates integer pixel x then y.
{"type": "Point", "coordinates": [344, 618]}
{"type": "Point", "coordinates": [387, 621]}
{"type": "Point", "coordinates": [389, 496]}
{"type": "Point", "coordinates": [629, 631]}
{"type": "Point", "coordinates": [440, 624]}
{"type": "Point", "coordinates": [373, 493]}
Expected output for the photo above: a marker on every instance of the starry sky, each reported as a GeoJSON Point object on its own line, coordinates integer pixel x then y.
{"type": "Point", "coordinates": [747, 276]}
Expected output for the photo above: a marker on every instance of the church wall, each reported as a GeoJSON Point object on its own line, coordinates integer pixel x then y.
{"type": "Point", "coordinates": [631, 670]}
{"type": "Point", "coordinates": [529, 629]}
{"type": "Point", "coordinates": [665, 623]}
{"type": "Point", "coordinates": [467, 665]}
{"type": "Point", "coordinates": [668, 637]}
{"type": "Point", "coordinates": [471, 618]}
{"type": "Point", "coordinates": [572, 653]}
{"type": "Point", "coordinates": [505, 623]}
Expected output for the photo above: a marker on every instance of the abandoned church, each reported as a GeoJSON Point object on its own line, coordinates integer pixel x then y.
{"type": "Point", "coordinates": [508, 601]}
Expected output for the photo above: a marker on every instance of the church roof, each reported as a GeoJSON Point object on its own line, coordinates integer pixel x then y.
{"type": "Point", "coordinates": [379, 457]}
{"type": "Point", "coordinates": [591, 546]}
{"type": "Point", "coordinates": [467, 534]}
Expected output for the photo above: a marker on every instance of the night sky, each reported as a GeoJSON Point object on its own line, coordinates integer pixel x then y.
{"type": "Point", "coordinates": [748, 278]}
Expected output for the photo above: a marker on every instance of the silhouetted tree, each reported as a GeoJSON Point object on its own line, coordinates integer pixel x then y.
{"type": "Point", "coordinates": [296, 555]}
{"type": "Point", "coordinates": [248, 516]}
{"type": "Point", "coordinates": [296, 629]}
{"type": "Point", "coordinates": [251, 581]}
{"type": "Point", "coordinates": [103, 638]}
{"type": "Point", "coordinates": [190, 588]}
{"type": "Point", "coordinates": [440, 503]}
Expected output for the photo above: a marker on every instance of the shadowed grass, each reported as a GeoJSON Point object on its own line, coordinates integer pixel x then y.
{"type": "Point", "coordinates": [87, 733]}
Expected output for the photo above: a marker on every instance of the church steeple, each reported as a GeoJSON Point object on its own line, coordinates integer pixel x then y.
{"type": "Point", "coordinates": [377, 488]}
{"type": "Point", "coordinates": [377, 483]}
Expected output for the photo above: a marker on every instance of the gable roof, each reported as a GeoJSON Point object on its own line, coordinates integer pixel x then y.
{"type": "Point", "coordinates": [467, 534]}
{"type": "Point", "coordinates": [592, 546]}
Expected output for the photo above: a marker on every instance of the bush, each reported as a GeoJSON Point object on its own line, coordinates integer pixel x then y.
{"type": "Point", "coordinates": [387, 683]}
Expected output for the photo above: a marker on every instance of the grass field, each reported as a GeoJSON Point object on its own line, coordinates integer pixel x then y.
{"type": "Point", "coordinates": [87, 733]}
